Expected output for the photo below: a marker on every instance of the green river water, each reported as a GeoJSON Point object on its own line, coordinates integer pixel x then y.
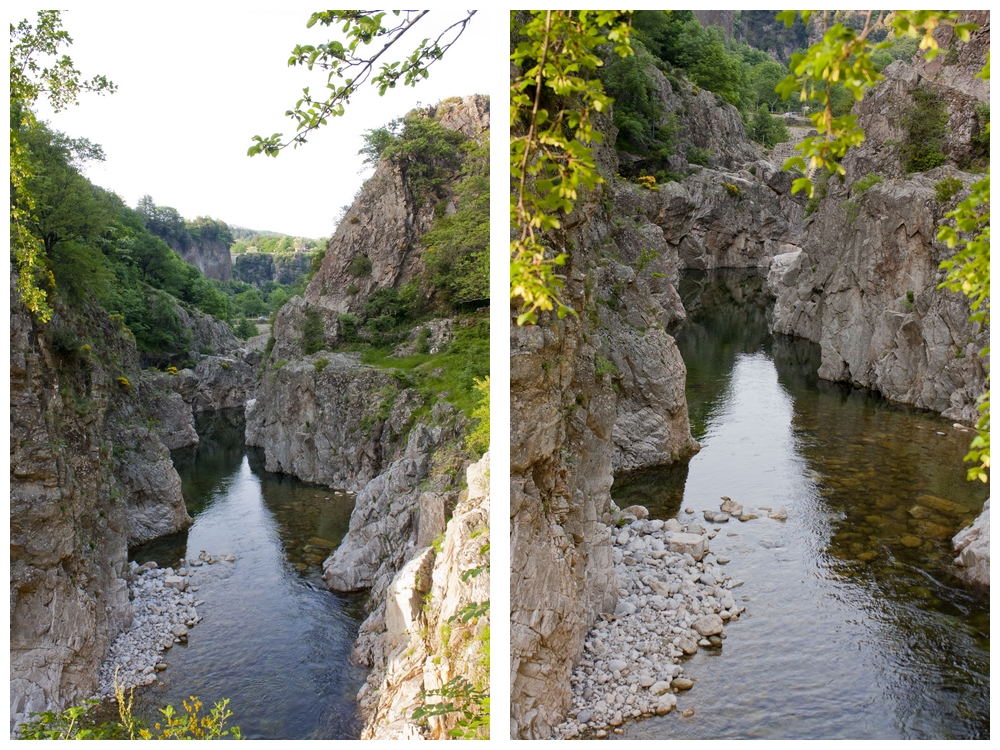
{"type": "Point", "coordinates": [273, 639]}
{"type": "Point", "coordinates": [856, 626]}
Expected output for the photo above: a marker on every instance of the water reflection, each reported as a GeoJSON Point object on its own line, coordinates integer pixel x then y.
{"type": "Point", "coordinates": [273, 640]}
{"type": "Point", "coordinates": [856, 626]}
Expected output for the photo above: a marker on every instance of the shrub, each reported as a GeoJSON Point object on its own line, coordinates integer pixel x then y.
{"type": "Point", "coordinates": [862, 185]}
{"type": "Point", "coordinates": [313, 330]}
{"type": "Point", "coordinates": [945, 189]}
{"type": "Point", "coordinates": [245, 329]}
{"type": "Point", "coordinates": [604, 367]}
{"type": "Point", "coordinates": [320, 364]}
{"type": "Point", "coordinates": [925, 132]}
{"type": "Point", "coordinates": [700, 156]}
{"type": "Point", "coordinates": [478, 441]}
{"type": "Point", "coordinates": [732, 189]}
{"type": "Point", "coordinates": [360, 265]}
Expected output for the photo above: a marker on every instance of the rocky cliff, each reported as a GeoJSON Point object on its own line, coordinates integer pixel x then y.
{"type": "Point", "coordinates": [210, 256]}
{"type": "Point", "coordinates": [433, 631]}
{"type": "Point", "coordinates": [89, 477]}
{"type": "Point", "coordinates": [590, 394]}
{"type": "Point", "coordinates": [393, 436]}
{"type": "Point", "coordinates": [864, 286]}
{"type": "Point", "coordinates": [377, 244]}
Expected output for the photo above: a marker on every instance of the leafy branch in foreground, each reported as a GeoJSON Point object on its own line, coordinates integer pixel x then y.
{"type": "Point", "coordinates": [556, 53]}
{"type": "Point", "coordinates": [349, 69]}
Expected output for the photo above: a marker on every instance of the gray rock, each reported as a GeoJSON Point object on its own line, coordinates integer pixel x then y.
{"type": "Point", "coordinates": [708, 625]}
{"type": "Point", "coordinates": [692, 544]}
{"type": "Point", "coordinates": [973, 547]}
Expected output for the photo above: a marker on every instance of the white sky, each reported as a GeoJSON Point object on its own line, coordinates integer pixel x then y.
{"type": "Point", "coordinates": [196, 82]}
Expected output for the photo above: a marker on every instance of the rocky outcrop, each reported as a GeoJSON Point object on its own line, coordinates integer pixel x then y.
{"type": "Point", "coordinates": [582, 389]}
{"type": "Point", "coordinates": [88, 477]}
{"type": "Point", "coordinates": [864, 288]}
{"type": "Point", "coordinates": [208, 334]}
{"type": "Point", "coordinates": [973, 548]}
{"type": "Point", "coordinates": [703, 121]}
{"type": "Point", "coordinates": [339, 424]}
{"type": "Point", "coordinates": [377, 243]}
{"type": "Point", "coordinates": [210, 256]}
{"type": "Point", "coordinates": [865, 284]}
{"type": "Point", "coordinates": [720, 219]}
{"type": "Point", "coordinates": [429, 633]}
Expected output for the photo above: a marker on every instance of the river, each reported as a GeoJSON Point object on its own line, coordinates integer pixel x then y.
{"type": "Point", "coordinates": [273, 641]}
{"type": "Point", "coordinates": [856, 626]}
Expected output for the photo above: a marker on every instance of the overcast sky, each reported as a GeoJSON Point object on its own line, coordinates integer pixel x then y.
{"type": "Point", "coordinates": [195, 83]}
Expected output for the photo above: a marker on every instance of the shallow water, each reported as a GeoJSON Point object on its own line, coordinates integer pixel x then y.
{"type": "Point", "coordinates": [273, 640]}
{"type": "Point", "coordinates": [856, 626]}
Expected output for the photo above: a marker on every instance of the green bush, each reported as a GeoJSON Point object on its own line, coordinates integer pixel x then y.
{"type": "Point", "coordinates": [320, 364]}
{"type": "Point", "coordinates": [245, 329]}
{"type": "Point", "coordinates": [313, 331]}
{"type": "Point", "coordinates": [359, 266]}
{"type": "Point", "coordinates": [925, 125]}
{"type": "Point", "coordinates": [861, 186]}
{"type": "Point", "coordinates": [766, 129]}
{"type": "Point", "coordinates": [700, 156]}
{"type": "Point", "coordinates": [945, 189]}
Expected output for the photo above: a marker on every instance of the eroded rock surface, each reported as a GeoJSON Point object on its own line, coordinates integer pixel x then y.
{"type": "Point", "coordinates": [416, 645]}
{"type": "Point", "coordinates": [582, 389]}
{"type": "Point", "coordinates": [340, 424]}
{"type": "Point", "coordinates": [864, 286]}
{"type": "Point", "coordinates": [88, 477]}
{"type": "Point", "coordinates": [973, 548]}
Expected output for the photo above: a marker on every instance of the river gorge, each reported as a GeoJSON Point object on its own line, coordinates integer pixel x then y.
{"type": "Point", "coordinates": [855, 625]}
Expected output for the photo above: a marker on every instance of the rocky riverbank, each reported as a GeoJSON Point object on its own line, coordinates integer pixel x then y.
{"type": "Point", "coordinates": [164, 607]}
{"type": "Point", "coordinates": [673, 597]}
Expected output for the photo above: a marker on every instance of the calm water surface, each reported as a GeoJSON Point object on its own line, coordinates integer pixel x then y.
{"type": "Point", "coordinates": [855, 626]}
{"type": "Point", "coordinates": [273, 639]}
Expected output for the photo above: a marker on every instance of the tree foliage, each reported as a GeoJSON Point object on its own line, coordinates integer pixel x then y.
{"type": "Point", "coordinates": [553, 102]}
{"type": "Point", "coordinates": [34, 75]}
{"type": "Point", "coordinates": [350, 64]}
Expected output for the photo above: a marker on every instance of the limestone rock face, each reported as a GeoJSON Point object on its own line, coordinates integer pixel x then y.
{"type": "Point", "coordinates": [973, 547]}
{"type": "Point", "coordinates": [173, 415]}
{"type": "Point", "coordinates": [329, 426]}
{"type": "Point", "coordinates": [88, 477]}
{"type": "Point", "coordinates": [883, 111]}
{"type": "Point", "coordinates": [704, 121]}
{"type": "Point", "coordinates": [866, 292]}
{"type": "Point", "coordinates": [865, 284]}
{"type": "Point", "coordinates": [377, 243]}
{"type": "Point", "coordinates": [224, 382]}
{"type": "Point", "coordinates": [211, 257]}
{"type": "Point", "coordinates": [584, 403]}
{"type": "Point", "coordinates": [382, 532]}
{"type": "Point", "coordinates": [719, 219]}
{"type": "Point", "coordinates": [423, 597]}
{"type": "Point", "coordinates": [209, 335]}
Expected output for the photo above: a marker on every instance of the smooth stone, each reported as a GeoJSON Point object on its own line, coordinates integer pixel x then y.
{"type": "Point", "coordinates": [660, 688]}
{"type": "Point", "coordinates": [625, 608]}
{"type": "Point", "coordinates": [584, 716]}
{"type": "Point", "coordinates": [911, 541]}
{"type": "Point", "coordinates": [778, 515]}
{"type": "Point", "coordinates": [682, 683]}
{"type": "Point", "coordinates": [617, 665]}
{"type": "Point", "coordinates": [708, 625]}
{"type": "Point", "coordinates": [688, 646]}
